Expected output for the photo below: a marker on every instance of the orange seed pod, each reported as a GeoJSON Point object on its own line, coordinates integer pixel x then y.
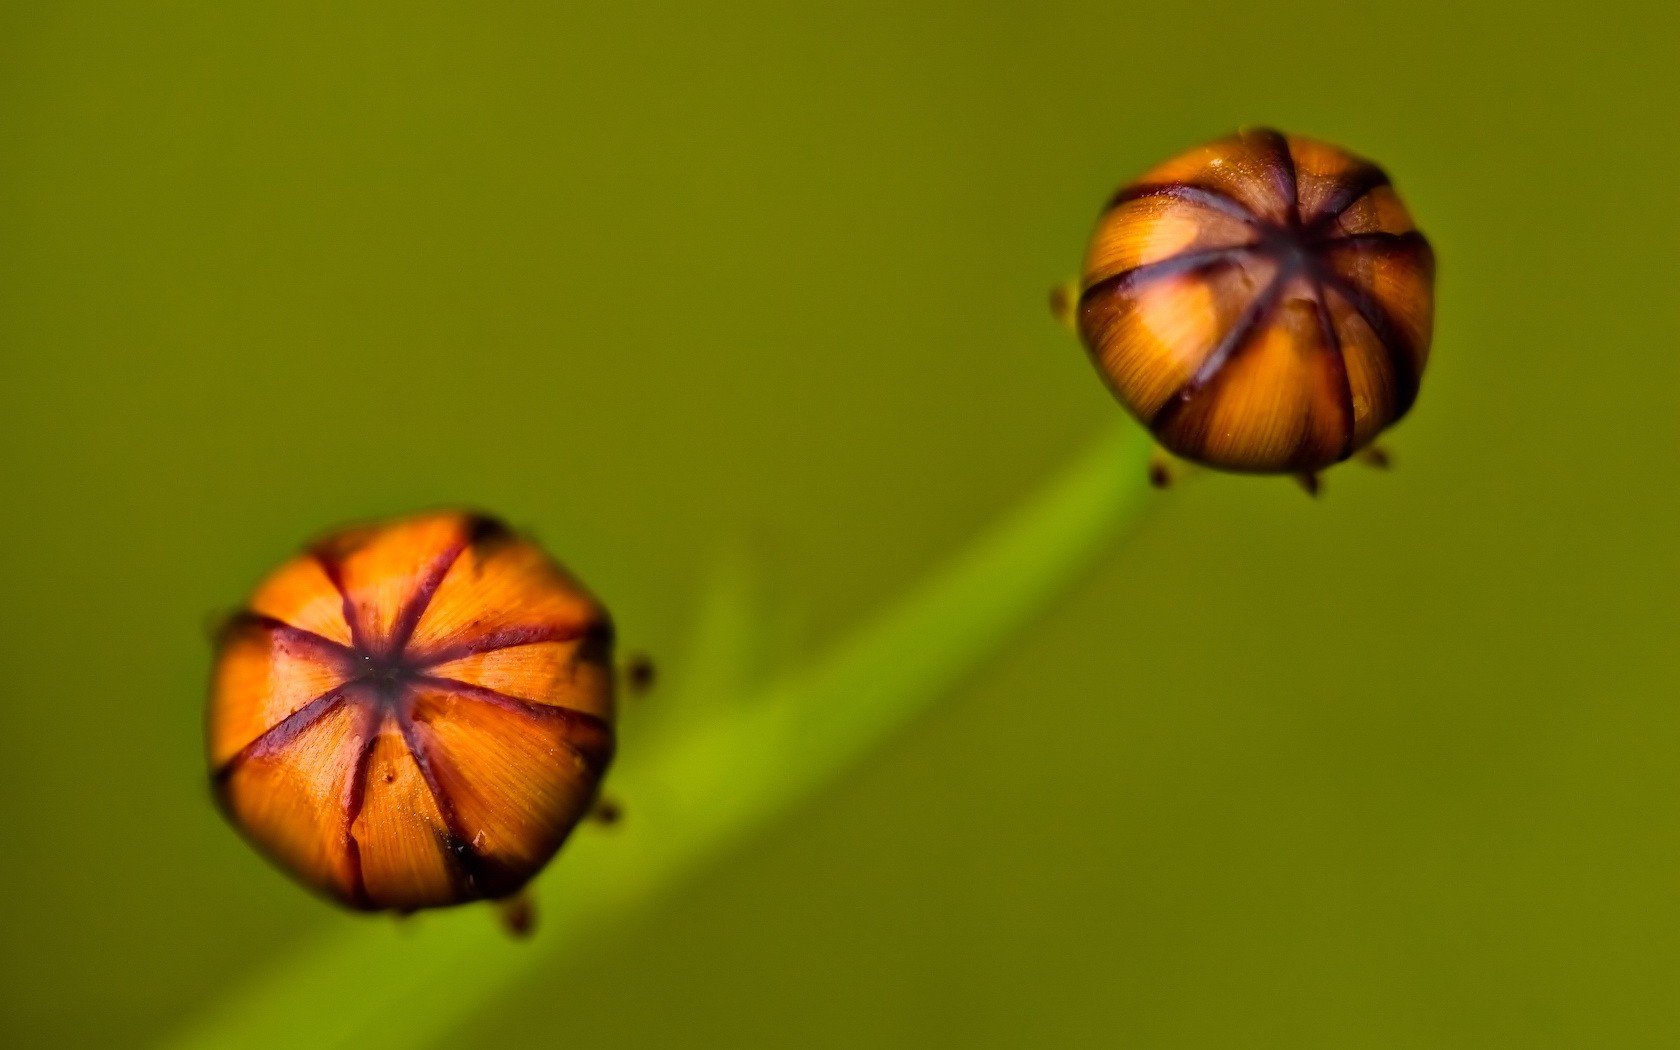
{"type": "Point", "coordinates": [413, 714]}
{"type": "Point", "coordinates": [1263, 303]}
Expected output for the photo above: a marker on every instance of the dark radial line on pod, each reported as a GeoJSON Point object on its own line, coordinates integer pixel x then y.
{"type": "Point", "coordinates": [284, 731]}
{"type": "Point", "coordinates": [506, 638]}
{"type": "Point", "coordinates": [288, 634]}
{"type": "Point", "coordinates": [1238, 337]}
{"type": "Point", "coordinates": [597, 745]}
{"type": "Point", "coordinates": [1350, 188]}
{"type": "Point", "coordinates": [408, 618]}
{"type": "Point", "coordinates": [1160, 269]}
{"type": "Point", "coordinates": [334, 570]}
{"type": "Point", "coordinates": [1283, 170]}
{"type": "Point", "coordinates": [1338, 359]}
{"type": "Point", "coordinates": [1395, 346]}
{"type": "Point", "coordinates": [1380, 241]}
{"type": "Point", "coordinates": [459, 852]}
{"type": "Point", "coordinates": [1218, 201]}
{"type": "Point", "coordinates": [355, 797]}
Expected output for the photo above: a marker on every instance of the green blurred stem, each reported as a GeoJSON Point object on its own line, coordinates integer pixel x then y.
{"type": "Point", "coordinates": [696, 791]}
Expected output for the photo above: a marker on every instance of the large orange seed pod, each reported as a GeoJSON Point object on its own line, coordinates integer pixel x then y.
{"type": "Point", "coordinates": [1263, 303]}
{"type": "Point", "coordinates": [413, 714]}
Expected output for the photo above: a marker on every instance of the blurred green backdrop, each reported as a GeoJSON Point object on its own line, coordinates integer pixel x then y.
{"type": "Point", "coordinates": [667, 284]}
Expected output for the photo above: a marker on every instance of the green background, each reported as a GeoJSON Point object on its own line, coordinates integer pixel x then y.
{"type": "Point", "coordinates": [670, 286]}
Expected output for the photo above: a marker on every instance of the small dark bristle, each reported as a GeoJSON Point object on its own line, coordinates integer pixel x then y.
{"type": "Point", "coordinates": [1061, 302]}
{"type": "Point", "coordinates": [339, 545]}
{"type": "Point", "coordinates": [218, 625]}
{"type": "Point", "coordinates": [484, 529]}
{"type": "Point", "coordinates": [639, 673]}
{"type": "Point", "coordinates": [518, 914]}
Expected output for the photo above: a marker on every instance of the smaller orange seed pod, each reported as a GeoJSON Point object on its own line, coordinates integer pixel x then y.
{"type": "Point", "coordinates": [413, 714]}
{"type": "Point", "coordinates": [1263, 303]}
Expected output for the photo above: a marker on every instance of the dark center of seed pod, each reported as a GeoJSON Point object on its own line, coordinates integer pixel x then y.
{"type": "Point", "coordinates": [1287, 245]}
{"type": "Point", "coordinates": [388, 673]}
